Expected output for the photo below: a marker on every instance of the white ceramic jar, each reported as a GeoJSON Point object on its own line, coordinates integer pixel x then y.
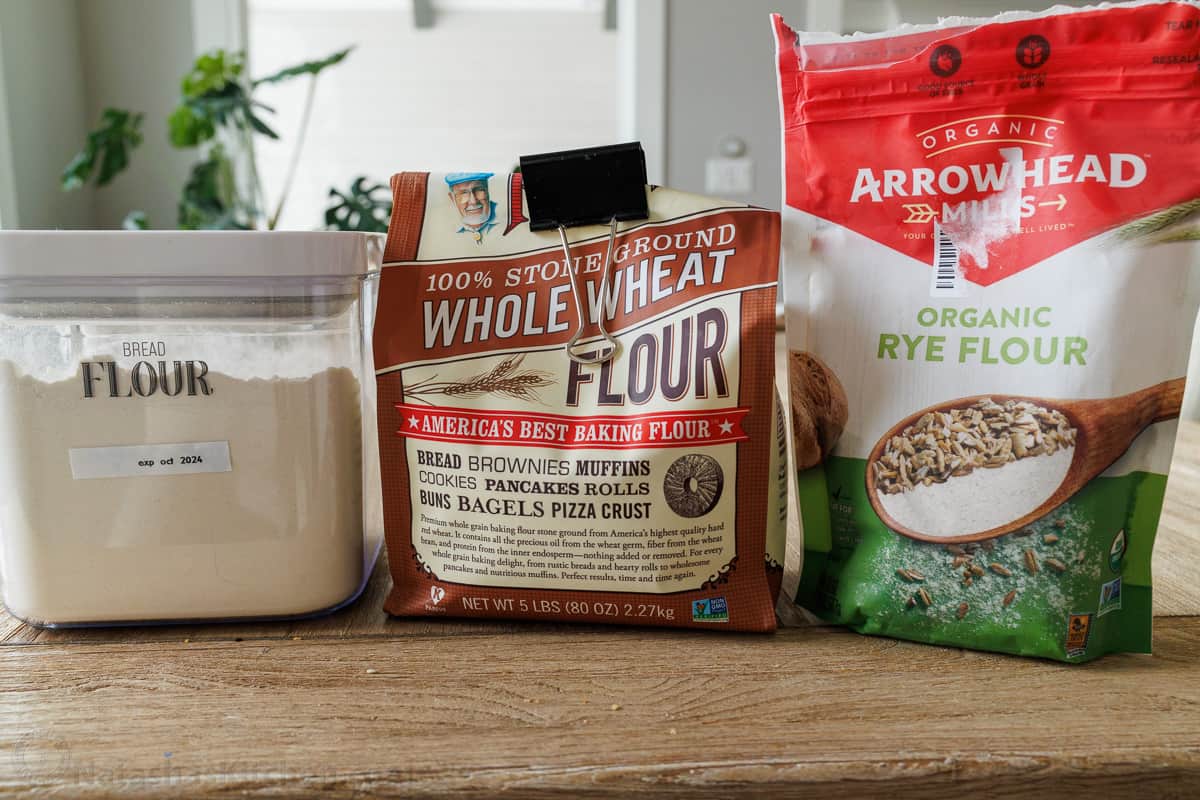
{"type": "Point", "coordinates": [186, 424]}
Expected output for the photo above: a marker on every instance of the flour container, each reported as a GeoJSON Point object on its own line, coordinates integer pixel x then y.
{"type": "Point", "coordinates": [186, 424]}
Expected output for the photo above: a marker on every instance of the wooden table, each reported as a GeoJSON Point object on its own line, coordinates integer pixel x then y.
{"type": "Point", "coordinates": [359, 705]}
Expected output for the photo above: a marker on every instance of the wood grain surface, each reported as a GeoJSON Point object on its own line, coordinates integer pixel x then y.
{"type": "Point", "coordinates": [539, 712]}
{"type": "Point", "coordinates": [359, 705]}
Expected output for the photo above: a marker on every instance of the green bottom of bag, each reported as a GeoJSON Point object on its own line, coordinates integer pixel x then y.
{"type": "Point", "coordinates": [1090, 593]}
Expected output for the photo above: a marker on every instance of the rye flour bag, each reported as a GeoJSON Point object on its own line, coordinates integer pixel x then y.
{"type": "Point", "coordinates": [990, 244]}
{"type": "Point", "coordinates": [521, 484]}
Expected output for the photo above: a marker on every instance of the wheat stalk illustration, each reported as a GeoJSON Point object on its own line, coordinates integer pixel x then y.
{"type": "Point", "coordinates": [1161, 220]}
{"type": "Point", "coordinates": [506, 379]}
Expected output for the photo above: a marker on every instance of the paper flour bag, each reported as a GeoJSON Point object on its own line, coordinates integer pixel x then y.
{"type": "Point", "coordinates": [522, 484]}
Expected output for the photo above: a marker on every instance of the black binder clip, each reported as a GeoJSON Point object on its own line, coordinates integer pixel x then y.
{"type": "Point", "coordinates": [592, 186]}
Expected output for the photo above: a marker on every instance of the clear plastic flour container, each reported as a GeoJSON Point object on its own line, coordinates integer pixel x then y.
{"type": "Point", "coordinates": [186, 424]}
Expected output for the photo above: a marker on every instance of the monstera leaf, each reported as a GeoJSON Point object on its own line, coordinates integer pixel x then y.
{"type": "Point", "coordinates": [363, 208]}
{"type": "Point", "coordinates": [106, 152]}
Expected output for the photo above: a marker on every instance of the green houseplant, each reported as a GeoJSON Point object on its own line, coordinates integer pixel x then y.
{"type": "Point", "coordinates": [219, 116]}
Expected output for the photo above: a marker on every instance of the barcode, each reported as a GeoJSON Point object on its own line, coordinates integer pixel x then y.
{"type": "Point", "coordinates": [946, 278]}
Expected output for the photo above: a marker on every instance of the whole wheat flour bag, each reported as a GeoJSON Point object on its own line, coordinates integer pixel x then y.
{"type": "Point", "coordinates": [990, 240]}
{"type": "Point", "coordinates": [522, 484]}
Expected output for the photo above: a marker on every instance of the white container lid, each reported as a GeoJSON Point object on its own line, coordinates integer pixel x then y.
{"type": "Point", "coordinates": [54, 255]}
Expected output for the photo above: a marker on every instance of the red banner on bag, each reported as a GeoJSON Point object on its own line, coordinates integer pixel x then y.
{"type": "Point", "coordinates": [608, 432]}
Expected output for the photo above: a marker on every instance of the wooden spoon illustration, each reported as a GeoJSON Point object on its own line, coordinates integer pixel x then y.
{"type": "Point", "coordinates": [1104, 431]}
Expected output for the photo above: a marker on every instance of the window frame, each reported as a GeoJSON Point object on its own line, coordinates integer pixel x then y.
{"type": "Point", "coordinates": [9, 217]}
{"type": "Point", "coordinates": [219, 24]}
{"type": "Point", "coordinates": [642, 80]}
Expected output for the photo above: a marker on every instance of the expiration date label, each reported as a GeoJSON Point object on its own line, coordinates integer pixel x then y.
{"type": "Point", "coordinates": [149, 459]}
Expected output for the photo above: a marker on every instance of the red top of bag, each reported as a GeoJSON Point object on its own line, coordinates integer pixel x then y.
{"type": "Point", "coordinates": [1019, 138]}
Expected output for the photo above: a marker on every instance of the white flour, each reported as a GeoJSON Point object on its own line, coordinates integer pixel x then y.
{"type": "Point", "coordinates": [280, 533]}
{"type": "Point", "coordinates": [984, 499]}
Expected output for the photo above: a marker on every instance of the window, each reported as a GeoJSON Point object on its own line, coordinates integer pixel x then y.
{"type": "Point", "coordinates": [485, 83]}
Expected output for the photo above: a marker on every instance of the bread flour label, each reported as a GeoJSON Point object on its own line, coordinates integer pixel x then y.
{"type": "Point", "coordinates": [527, 484]}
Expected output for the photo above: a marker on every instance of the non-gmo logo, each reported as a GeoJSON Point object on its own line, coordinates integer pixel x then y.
{"type": "Point", "coordinates": [1033, 51]}
{"type": "Point", "coordinates": [945, 60]}
{"type": "Point", "coordinates": [713, 609]}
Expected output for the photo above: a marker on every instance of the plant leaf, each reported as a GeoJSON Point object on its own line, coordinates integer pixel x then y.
{"type": "Point", "coordinates": [108, 147]}
{"type": "Point", "coordinates": [135, 221]}
{"type": "Point", "coordinates": [363, 208]}
{"type": "Point", "coordinates": [212, 72]}
{"type": "Point", "coordinates": [209, 201]}
{"type": "Point", "coordinates": [196, 120]}
{"type": "Point", "coordinates": [307, 68]}
{"type": "Point", "coordinates": [187, 128]}
{"type": "Point", "coordinates": [213, 95]}
{"type": "Point", "coordinates": [259, 125]}
{"type": "Point", "coordinates": [78, 169]}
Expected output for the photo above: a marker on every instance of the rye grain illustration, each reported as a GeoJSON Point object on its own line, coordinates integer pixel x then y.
{"type": "Point", "coordinates": [1157, 224]}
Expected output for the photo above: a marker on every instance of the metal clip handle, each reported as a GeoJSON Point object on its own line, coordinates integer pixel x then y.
{"type": "Point", "coordinates": [600, 356]}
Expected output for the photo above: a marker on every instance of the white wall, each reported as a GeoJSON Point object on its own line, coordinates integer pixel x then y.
{"type": "Point", "coordinates": [721, 82]}
{"type": "Point", "coordinates": [134, 54]}
{"type": "Point", "coordinates": [61, 63]}
{"type": "Point", "coordinates": [42, 72]}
